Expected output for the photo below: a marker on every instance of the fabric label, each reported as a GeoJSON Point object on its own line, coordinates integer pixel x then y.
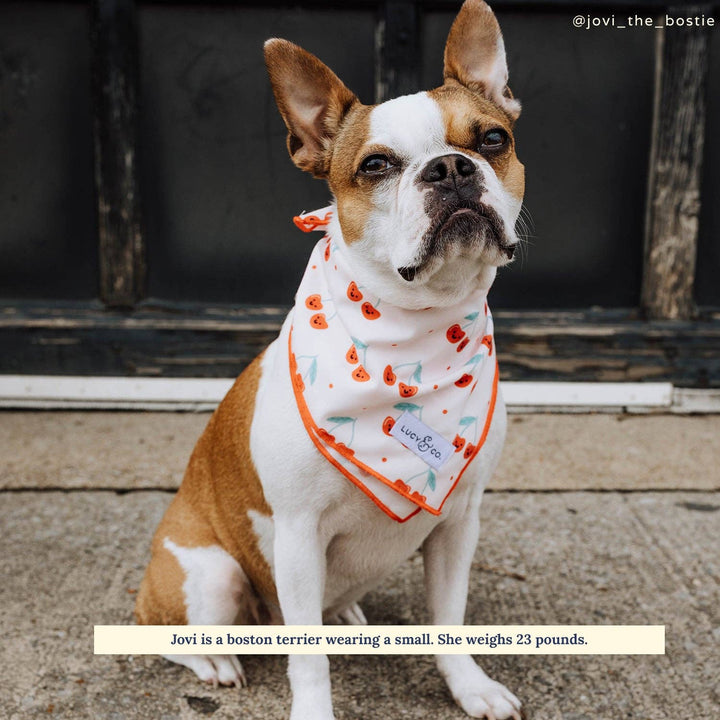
{"type": "Point", "coordinates": [427, 444]}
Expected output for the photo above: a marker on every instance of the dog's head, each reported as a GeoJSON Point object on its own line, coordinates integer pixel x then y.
{"type": "Point", "coordinates": [428, 186]}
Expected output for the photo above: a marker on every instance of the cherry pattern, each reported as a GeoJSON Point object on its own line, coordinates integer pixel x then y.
{"type": "Point", "coordinates": [360, 374]}
{"type": "Point", "coordinates": [388, 424]}
{"type": "Point", "coordinates": [407, 391]}
{"type": "Point", "coordinates": [353, 292]}
{"type": "Point", "coordinates": [455, 333]}
{"type": "Point", "coordinates": [319, 321]}
{"type": "Point", "coordinates": [382, 382]}
{"type": "Point", "coordinates": [370, 311]}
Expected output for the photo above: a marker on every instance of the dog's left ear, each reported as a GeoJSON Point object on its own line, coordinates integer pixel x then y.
{"type": "Point", "coordinates": [475, 56]}
{"type": "Point", "coordinates": [312, 101]}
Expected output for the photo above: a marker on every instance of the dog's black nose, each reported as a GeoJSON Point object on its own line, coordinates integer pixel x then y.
{"type": "Point", "coordinates": [453, 166]}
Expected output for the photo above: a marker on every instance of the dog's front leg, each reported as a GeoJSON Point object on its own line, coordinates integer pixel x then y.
{"type": "Point", "coordinates": [300, 579]}
{"type": "Point", "coordinates": [447, 554]}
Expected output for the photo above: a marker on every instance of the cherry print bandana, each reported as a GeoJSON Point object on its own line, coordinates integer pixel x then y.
{"type": "Point", "coordinates": [359, 366]}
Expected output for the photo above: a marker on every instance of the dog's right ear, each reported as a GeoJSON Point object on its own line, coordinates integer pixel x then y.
{"type": "Point", "coordinates": [312, 101]}
{"type": "Point", "coordinates": [475, 56]}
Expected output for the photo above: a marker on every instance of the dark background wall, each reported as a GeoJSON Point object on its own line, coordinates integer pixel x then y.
{"type": "Point", "coordinates": [217, 191]}
{"type": "Point", "coordinates": [48, 243]}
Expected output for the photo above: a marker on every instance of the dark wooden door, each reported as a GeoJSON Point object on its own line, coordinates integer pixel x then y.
{"type": "Point", "coordinates": [147, 196]}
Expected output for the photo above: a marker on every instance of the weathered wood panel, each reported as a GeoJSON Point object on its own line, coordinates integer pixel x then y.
{"type": "Point", "coordinates": [673, 206]}
{"type": "Point", "coordinates": [219, 187]}
{"type": "Point", "coordinates": [399, 54]}
{"type": "Point", "coordinates": [201, 342]}
{"type": "Point", "coordinates": [48, 246]}
{"type": "Point", "coordinates": [114, 85]}
{"type": "Point", "coordinates": [707, 270]}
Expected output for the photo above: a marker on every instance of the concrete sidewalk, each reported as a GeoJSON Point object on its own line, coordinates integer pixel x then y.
{"type": "Point", "coordinates": [125, 450]}
{"type": "Point", "coordinates": [73, 557]}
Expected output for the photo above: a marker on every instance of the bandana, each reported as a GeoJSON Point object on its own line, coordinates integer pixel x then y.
{"type": "Point", "coordinates": [399, 401]}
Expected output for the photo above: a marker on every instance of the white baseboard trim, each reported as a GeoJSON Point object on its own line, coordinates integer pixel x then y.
{"type": "Point", "coordinates": [197, 394]}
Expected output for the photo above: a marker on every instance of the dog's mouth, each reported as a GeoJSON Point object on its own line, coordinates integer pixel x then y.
{"type": "Point", "coordinates": [468, 223]}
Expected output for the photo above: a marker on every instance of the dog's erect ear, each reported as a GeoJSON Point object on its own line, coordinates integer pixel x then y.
{"type": "Point", "coordinates": [312, 101]}
{"type": "Point", "coordinates": [475, 56]}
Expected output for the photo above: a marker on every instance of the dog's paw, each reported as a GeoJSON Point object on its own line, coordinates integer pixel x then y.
{"type": "Point", "coordinates": [490, 700]}
{"type": "Point", "coordinates": [351, 615]}
{"type": "Point", "coordinates": [213, 669]}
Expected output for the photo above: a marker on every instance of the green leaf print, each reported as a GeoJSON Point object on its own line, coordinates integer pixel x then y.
{"type": "Point", "coordinates": [472, 316]}
{"type": "Point", "coordinates": [431, 480]}
{"type": "Point", "coordinates": [407, 406]}
{"type": "Point", "coordinates": [467, 420]}
{"type": "Point", "coordinates": [340, 420]}
{"type": "Point", "coordinates": [417, 375]}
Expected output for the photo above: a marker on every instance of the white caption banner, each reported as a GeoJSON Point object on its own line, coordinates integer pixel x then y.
{"type": "Point", "coordinates": [380, 639]}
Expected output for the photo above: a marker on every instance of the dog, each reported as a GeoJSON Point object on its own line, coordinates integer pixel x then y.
{"type": "Point", "coordinates": [370, 427]}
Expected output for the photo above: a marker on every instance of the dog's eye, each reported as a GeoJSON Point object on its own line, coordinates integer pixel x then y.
{"type": "Point", "coordinates": [375, 164]}
{"type": "Point", "coordinates": [494, 139]}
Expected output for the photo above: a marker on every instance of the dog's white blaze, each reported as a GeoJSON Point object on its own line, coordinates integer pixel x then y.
{"type": "Point", "coordinates": [264, 528]}
{"type": "Point", "coordinates": [411, 125]}
{"type": "Point", "coordinates": [214, 587]}
{"type": "Point", "coordinates": [214, 583]}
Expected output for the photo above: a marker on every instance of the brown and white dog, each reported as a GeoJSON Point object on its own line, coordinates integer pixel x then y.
{"type": "Point", "coordinates": [427, 190]}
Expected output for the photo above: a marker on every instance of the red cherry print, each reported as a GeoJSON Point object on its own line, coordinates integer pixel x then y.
{"type": "Point", "coordinates": [469, 450]}
{"type": "Point", "coordinates": [463, 344]}
{"type": "Point", "coordinates": [403, 487]}
{"type": "Point", "coordinates": [354, 293]}
{"type": "Point", "coordinates": [325, 435]}
{"type": "Point", "coordinates": [298, 382]}
{"type": "Point", "coordinates": [313, 302]}
{"type": "Point", "coordinates": [455, 333]}
{"type": "Point", "coordinates": [387, 425]}
{"type": "Point", "coordinates": [407, 391]}
{"type": "Point", "coordinates": [458, 442]}
{"type": "Point", "coordinates": [327, 252]}
{"type": "Point", "coordinates": [360, 374]}
{"type": "Point", "coordinates": [389, 376]}
{"type": "Point", "coordinates": [369, 311]}
{"type": "Point", "coordinates": [488, 342]}
{"type": "Point", "coordinates": [464, 381]}
{"type": "Point", "coordinates": [318, 321]}
{"type": "Point", "coordinates": [351, 355]}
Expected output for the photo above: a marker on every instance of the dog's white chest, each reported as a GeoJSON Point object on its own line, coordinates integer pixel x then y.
{"type": "Point", "coordinates": [363, 544]}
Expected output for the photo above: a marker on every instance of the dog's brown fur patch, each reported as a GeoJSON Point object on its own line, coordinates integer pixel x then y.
{"type": "Point", "coordinates": [354, 201]}
{"type": "Point", "coordinates": [211, 508]}
{"type": "Point", "coordinates": [467, 116]}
